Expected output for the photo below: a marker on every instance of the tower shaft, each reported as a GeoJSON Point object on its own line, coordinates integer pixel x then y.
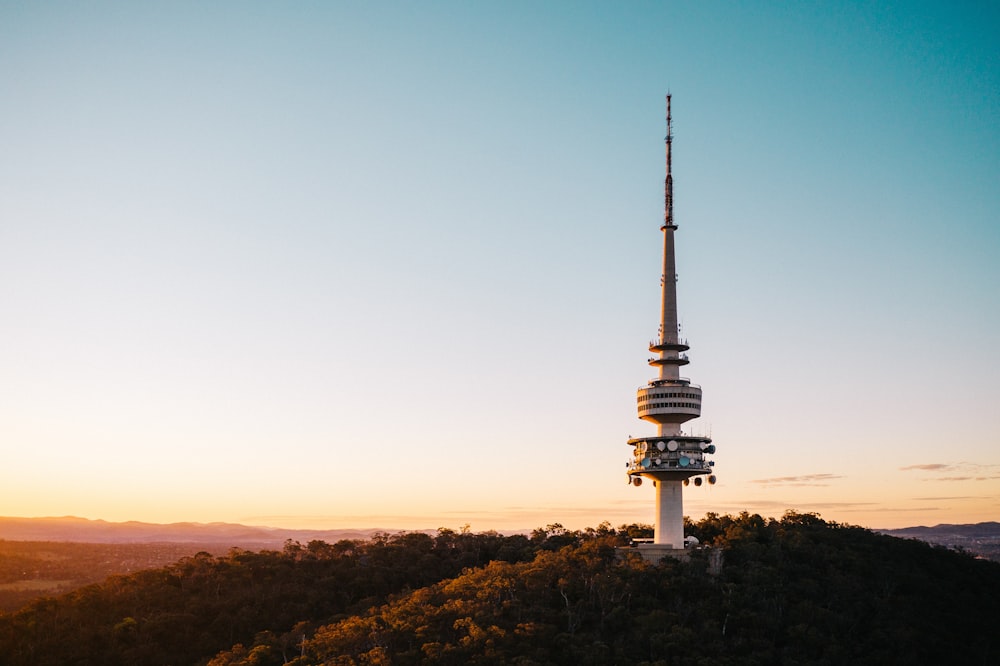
{"type": "Point", "coordinates": [669, 526]}
{"type": "Point", "coordinates": [668, 307]}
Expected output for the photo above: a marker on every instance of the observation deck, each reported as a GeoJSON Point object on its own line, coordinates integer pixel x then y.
{"type": "Point", "coordinates": [669, 401]}
{"type": "Point", "coordinates": [668, 344]}
{"type": "Point", "coordinates": [680, 359]}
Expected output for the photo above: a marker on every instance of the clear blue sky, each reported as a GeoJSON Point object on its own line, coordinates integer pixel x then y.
{"type": "Point", "coordinates": [396, 264]}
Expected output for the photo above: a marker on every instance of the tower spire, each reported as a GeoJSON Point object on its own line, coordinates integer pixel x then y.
{"type": "Point", "coordinates": [671, 457]}
{"type": "Point", "coordinates": [668, 183]}
{"type": "Point", "coordinates": [669, 359]}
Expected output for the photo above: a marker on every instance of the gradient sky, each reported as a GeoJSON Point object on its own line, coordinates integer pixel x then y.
{"type": "Point", "coordinates": [378, 264]}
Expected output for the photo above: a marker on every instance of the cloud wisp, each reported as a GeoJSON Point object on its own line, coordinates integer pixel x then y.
{"type": "Point", "coordinates": [800, 480]}
{"type": "Point", "coordinates": [930, 467]}
{"type": "Point", "coordinates": [960, 471]}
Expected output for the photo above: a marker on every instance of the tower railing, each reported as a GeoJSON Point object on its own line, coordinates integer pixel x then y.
{"type": "Point", "coordinates": [680, 381]}
{"type": "Point", "coordinates": [656, 342]}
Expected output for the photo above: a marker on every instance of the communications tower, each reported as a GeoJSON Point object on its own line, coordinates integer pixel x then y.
{"type": "Point", "coordinates": [671, 458]}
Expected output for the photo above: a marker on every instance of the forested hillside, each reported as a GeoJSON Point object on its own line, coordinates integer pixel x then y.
{"type": "Point", "coordinates": [794, 590]}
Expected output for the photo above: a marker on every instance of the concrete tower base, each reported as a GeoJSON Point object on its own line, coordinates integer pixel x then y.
{"type": "Point", "coordinates": [653, 553]}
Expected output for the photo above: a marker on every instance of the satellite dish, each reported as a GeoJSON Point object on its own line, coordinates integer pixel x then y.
{"type": "Point", "coordinates": [672, 445]}
{"type": "Point", "coordinates": [657, 461]}
{"type": "Point", "coordinates": [645, 462]}
{"type": "Point", "coordinates": [711, 448]}
{"type": "Point", "coordinates": [661, 445]}
{"type": "Point", "coordinates": [697, 481]}
{"type": "Point", "coordinates": [712, 479]}
{"type": "Point", "coordinates": [702, 445]}
{"type": "Point", "coordinates": [684, 461]}
{"type": "Point", "coordinates": [642, 447]}
{"type": "Point", "coordinates": [637, 481]}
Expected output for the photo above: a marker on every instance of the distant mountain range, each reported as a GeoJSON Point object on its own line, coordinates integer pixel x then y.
{"type": "Point", "coordinates": [979, 530]}
{"type": "Point", "coordinates": [71, 528]}
{"type": "Point", "coordinates": [983, 539]}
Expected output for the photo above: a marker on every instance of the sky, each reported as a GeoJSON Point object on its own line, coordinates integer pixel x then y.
{"type": "Point", "coordinates": [396, 265]}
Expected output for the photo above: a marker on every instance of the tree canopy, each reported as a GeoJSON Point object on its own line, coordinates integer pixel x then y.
{"type": "Point", "coordinates": [791, 590]}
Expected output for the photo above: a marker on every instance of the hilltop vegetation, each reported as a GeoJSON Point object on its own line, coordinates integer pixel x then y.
{"type": "Point", "coordinates": [794, 590]}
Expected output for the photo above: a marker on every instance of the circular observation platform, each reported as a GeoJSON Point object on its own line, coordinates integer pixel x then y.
{"type": "Point", "coordinates": [666, 344]}
{"type": "Point", "coordinates": [680, 359]}
{"type": "Point", "coordinates": [674, 401]}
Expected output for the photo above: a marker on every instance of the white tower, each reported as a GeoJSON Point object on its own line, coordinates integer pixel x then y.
{"type": "Point", "coordinates": [670, 458]}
